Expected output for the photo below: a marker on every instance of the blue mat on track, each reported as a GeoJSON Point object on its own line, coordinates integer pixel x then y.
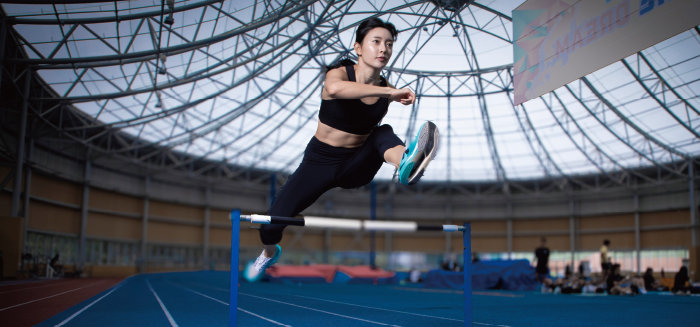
{"type": "Point", "coordinates": [512, 275]}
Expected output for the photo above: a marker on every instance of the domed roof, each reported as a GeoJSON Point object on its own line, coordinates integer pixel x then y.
{"type": "Point", "coordinates": [238, 83]}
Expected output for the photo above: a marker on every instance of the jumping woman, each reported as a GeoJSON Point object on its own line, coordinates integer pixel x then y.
{"type": "Point", "coordinates": [350, 146]}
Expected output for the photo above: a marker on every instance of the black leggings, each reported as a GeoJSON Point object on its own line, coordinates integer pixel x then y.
{"type": "Point", "coordinates": [323, 168]}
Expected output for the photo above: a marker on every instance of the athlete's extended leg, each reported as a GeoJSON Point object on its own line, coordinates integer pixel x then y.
{"type": "Point", "coordinates": [304, 187]}
{"type": "Point", "coordinates": [313, 177]}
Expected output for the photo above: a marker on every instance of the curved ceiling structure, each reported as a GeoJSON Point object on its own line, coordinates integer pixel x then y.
{"type": "Point", "coordinates": [237, 84]}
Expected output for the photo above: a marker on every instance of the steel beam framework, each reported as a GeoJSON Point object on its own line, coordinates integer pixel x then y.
{"type": "Point", "coordinates": [226, 88]}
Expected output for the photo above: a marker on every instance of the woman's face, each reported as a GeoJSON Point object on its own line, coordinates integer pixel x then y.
{"type": "Point", "coordinates": [376, 47]}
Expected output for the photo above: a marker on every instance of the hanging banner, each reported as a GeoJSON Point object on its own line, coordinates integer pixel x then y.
{"type": "Point", "coordinates": [558, 41]}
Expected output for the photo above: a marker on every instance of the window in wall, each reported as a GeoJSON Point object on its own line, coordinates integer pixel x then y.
{"type": "Point", "coordinates": [179, 256]}
{"type": "Point", "coordinates": [220, 257]}
{"type": "Point", "coordinates": [43, 247]}
{"type": "Point", "coordinates": [111, 253]}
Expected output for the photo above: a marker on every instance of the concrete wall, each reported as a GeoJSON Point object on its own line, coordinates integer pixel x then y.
{"type": "Point", "coordinates": [126, 204]}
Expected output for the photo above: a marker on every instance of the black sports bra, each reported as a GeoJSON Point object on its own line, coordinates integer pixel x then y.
{"type": "Point", "coordinates": [352, 115]}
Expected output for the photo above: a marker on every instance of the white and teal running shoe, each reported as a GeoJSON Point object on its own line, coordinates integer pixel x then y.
{"type": "Point", "coordinates": [255, 270]}
{"type": "Point", "coordinates": [418, 154]}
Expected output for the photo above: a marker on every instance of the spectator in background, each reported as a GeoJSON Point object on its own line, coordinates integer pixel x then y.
{"type": "Point", "coordinates": [627, 285]}
{"type": "Point", "coordinates": [681, 283]}
{"type": "Point", "coordinates": [650, 283]}
{"type": "Point", "coordinates": [542, 257]}
{"type": "Point", "coordinates": [450, 263]}
{"type": "Point", "coordinates": [594, 285]}
{"type": "Point", "coordinates": [57, 269]}
{"type": "Point", "coordinates": [414, 276]}
{"type": "Point", "coordinates": [605, 262]}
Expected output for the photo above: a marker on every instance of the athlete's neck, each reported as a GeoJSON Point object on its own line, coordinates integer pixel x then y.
{"type": "Point", "coordinates": [366, 74]}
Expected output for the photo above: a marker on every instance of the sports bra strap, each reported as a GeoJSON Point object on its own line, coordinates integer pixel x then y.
{"type": "Point", "coordinates": [351, 73]}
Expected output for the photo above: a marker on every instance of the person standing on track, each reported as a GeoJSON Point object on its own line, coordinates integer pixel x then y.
{"type": "Point", "coordinates": [605, 261]}
{"type": "Point", "coordinates": [542, 257]}
{"type": "Point", "coordinates": [350, 146]}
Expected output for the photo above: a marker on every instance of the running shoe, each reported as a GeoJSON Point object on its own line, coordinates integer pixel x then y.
{"type": "Point", "coordinates": [418, 154]}
{"type": "Point", "coordinates": [256, 269]}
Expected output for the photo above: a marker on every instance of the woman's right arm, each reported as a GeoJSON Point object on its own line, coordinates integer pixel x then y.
{"type": "Point", "coordinates": [337, 86]}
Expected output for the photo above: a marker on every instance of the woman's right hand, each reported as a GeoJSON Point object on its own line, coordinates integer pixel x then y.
{"type": "Point", "coordinates": [405, 96]}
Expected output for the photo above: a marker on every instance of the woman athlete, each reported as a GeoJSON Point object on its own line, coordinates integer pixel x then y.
{"type": "Point", "coordinates": [349, 146]}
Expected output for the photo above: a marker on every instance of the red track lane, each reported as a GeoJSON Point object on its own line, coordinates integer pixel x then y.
{"type": "Point", "coordinates": [29, 292]}
{"type": "Point", "coordinates": [31, 303]}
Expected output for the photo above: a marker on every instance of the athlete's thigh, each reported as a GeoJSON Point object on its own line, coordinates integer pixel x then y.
{"type": "Point", "coordinates": [302, 189]}
{"type": "Point", "coordinates": [360, 169]}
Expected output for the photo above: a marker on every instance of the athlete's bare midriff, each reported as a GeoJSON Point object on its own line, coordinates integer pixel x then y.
{"type": "Point", "coordinates": [338, 138]}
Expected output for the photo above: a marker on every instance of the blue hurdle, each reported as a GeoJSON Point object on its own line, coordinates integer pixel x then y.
{"type": "Point", "coordinates": [347, 224]}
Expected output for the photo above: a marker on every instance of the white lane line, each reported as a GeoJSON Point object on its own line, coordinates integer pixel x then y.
{"type": "Point", "coordinates": [60, 283]}
{"type": "Point", "coordinates": [198, 293]}
{"type": "Point", "coordinates": [162, 306]}
{"type": "Point", "coordinates": [87, 306]}
{"type": "Point", "coordinates": [485, 324]}
{"type": "Point", "coordinates": [226, 303]}
{"type": "Point", "coordinates": [206, 296]}
{"type": "Point", "coordinates": [261, 317]}
{"type": "Point", "coordinates": [322, 311]}
{"type": "Point", "coordinates": [390, 310]}
{"type": "Point", "coordinates": [44, 298]}
{"type": "Point", "coordinates": [398, 311]}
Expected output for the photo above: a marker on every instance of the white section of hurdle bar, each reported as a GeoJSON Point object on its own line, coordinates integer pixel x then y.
{"type": "Point", "coordinates": [390, 226]}
{"type": "Point", "coordinates": [322, 222]}
{"type": "Point", "coordinates": [259, 219]}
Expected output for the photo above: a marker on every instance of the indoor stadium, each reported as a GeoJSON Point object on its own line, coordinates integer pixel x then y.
{"type": "Point", "coordinates": [349, 163]}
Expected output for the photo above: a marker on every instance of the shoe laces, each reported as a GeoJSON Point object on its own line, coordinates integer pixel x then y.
{"type": "Point", "coordinates": [261, 261]}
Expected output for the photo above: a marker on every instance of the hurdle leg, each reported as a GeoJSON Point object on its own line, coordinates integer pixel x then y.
{"type": "Point", "coordinates": [466, 240]}
{"type": "Point", "coordinates": [235, 238]}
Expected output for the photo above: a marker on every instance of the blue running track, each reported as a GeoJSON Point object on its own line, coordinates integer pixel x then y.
{"type": "Point", "coordinates": [201, 299]}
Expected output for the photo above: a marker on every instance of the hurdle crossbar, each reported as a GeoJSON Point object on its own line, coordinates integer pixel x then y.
{"type": "Point", "coordinates": [346, 224]}
{"type": "Point", "coordinates": [350, 224]}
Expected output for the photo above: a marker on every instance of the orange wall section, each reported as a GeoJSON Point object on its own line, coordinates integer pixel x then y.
{"type": "Point", "coordinates": [664, 218]}
{"type": "Point", "coordinates": [530, 243]}
{"type": "Point", "coordinates": [110, 201]}
{"type": "Point", "coordinates": [47, 217]}
{"type": "Point", "coordinates": [605, 222]}
{"type": "Point", "coordinates": [167, 233]}
{"type": "Point", "coordinates": [57, 190]}
{"type": "Point", "coordinates": [113, 227]}
{"type": "Point", "coordinates": [178, 211]}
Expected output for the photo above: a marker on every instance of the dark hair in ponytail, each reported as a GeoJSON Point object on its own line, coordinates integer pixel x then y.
{"type": "Point", "coordinates": [364, 28]}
